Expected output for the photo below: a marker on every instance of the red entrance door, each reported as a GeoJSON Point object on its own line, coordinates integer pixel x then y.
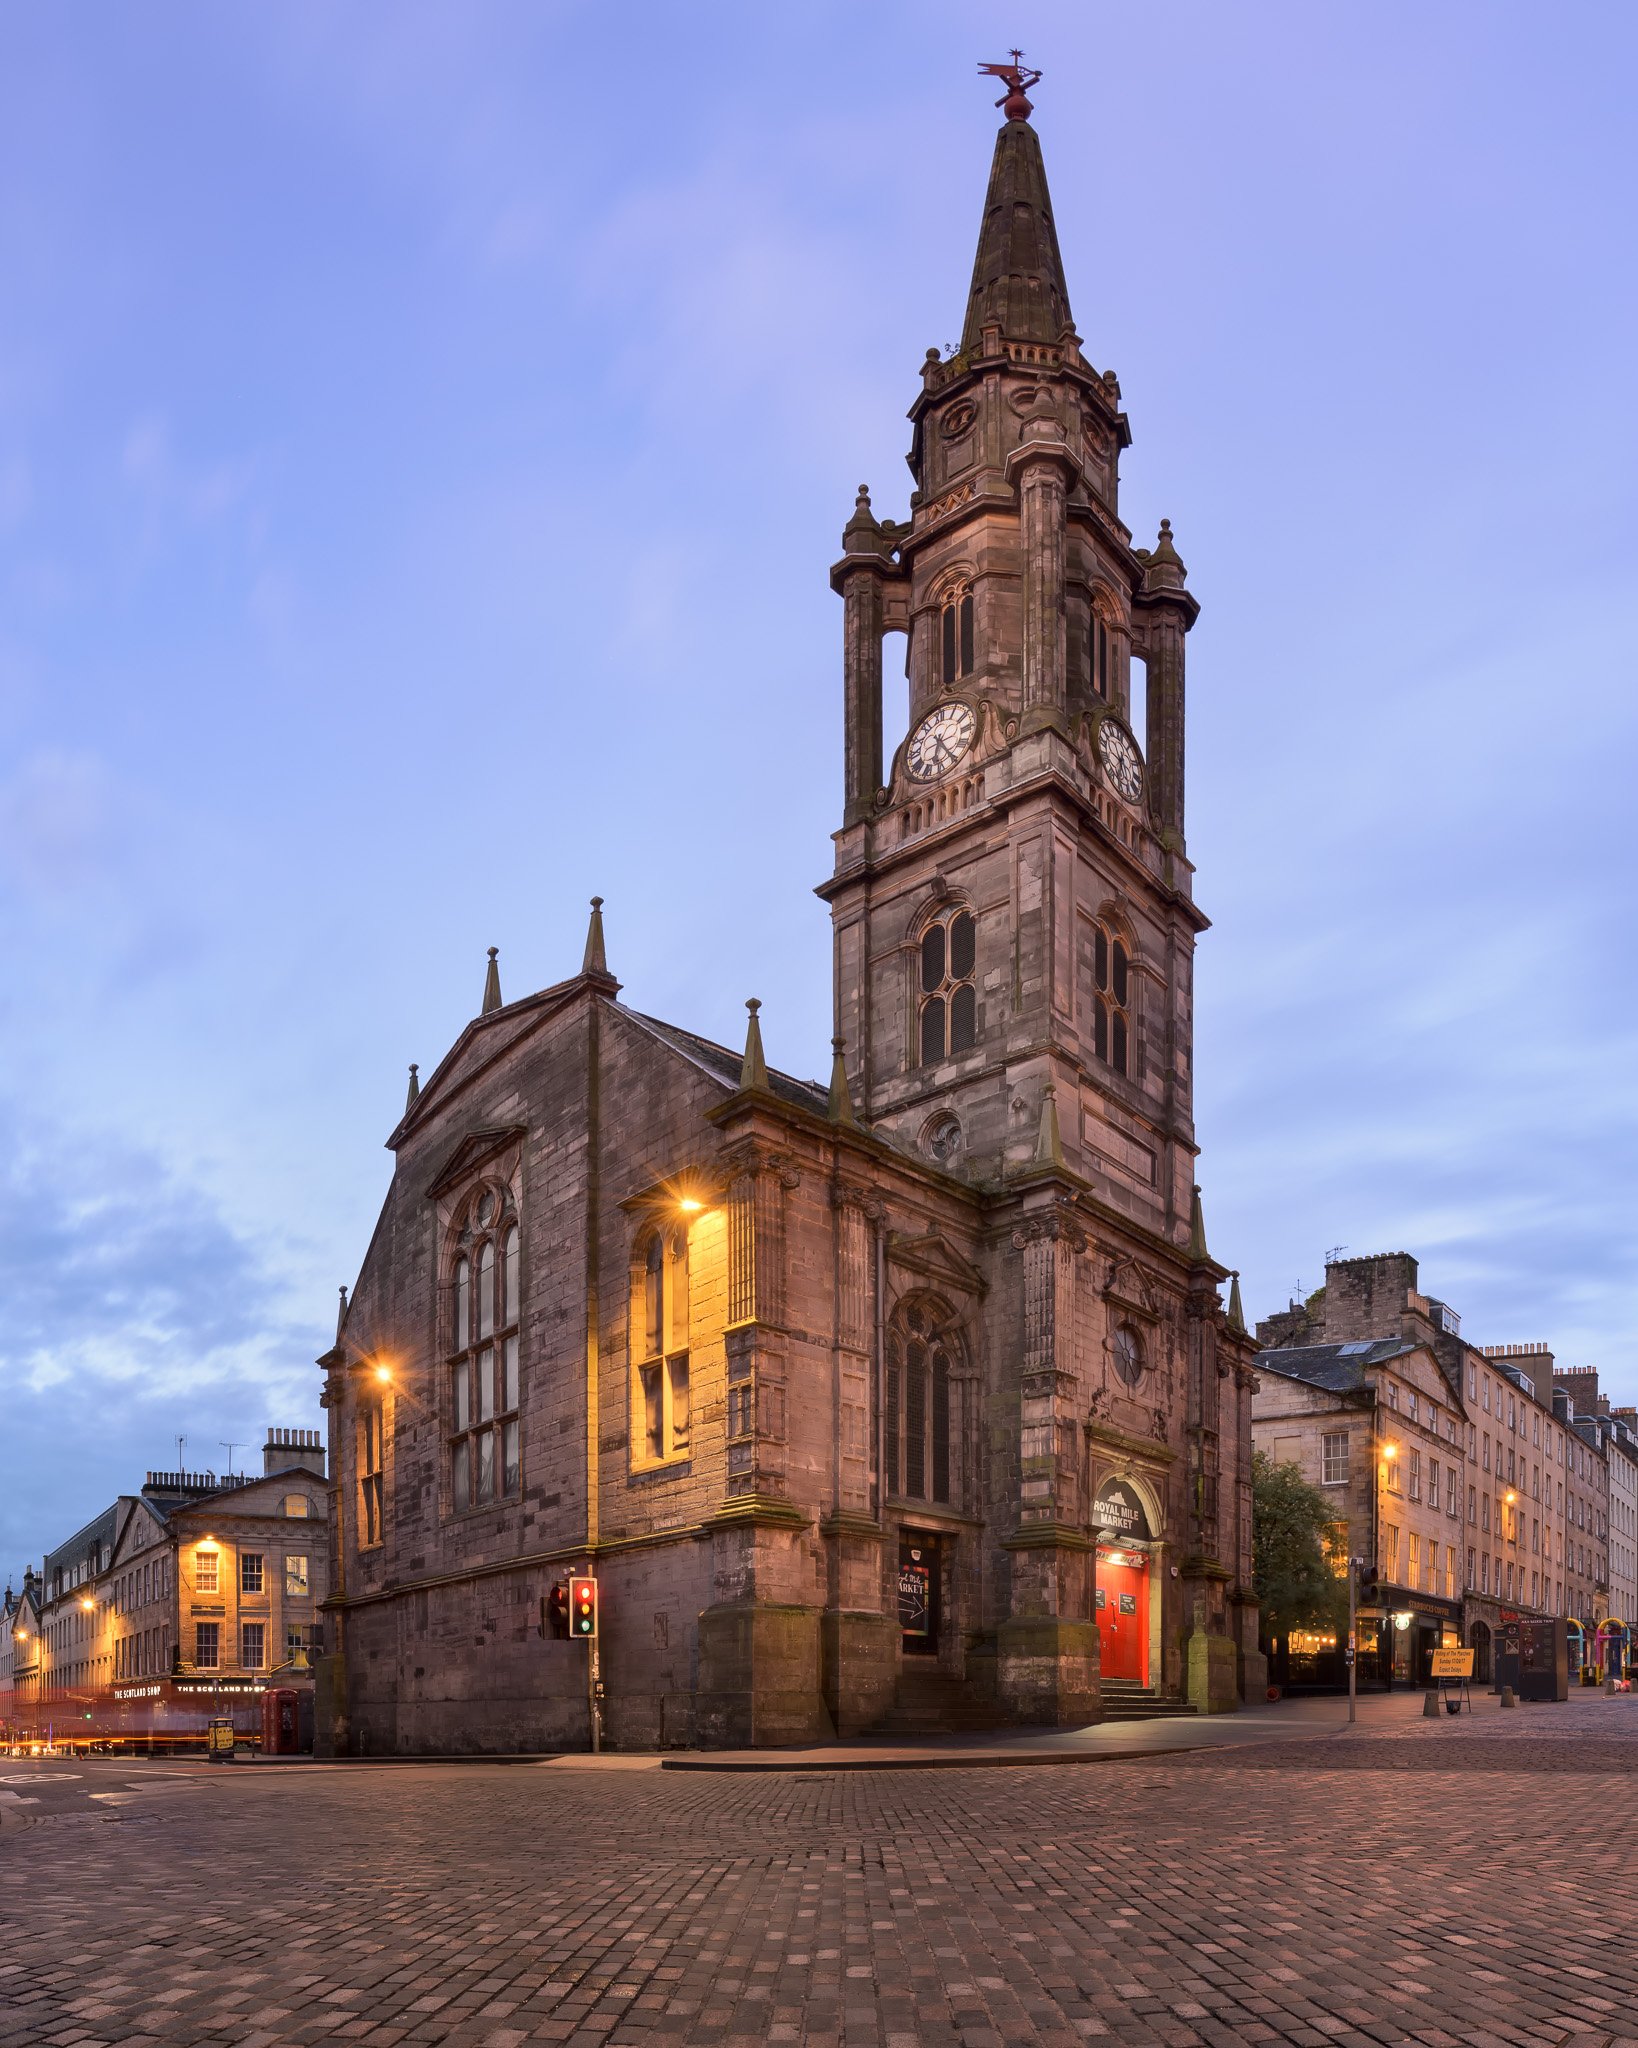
{"type": "Point", "coordinates": [1123, 1614]}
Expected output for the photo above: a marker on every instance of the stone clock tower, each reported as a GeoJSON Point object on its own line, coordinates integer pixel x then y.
{"type": "Point", "coordinates": [1012, 904]}
{"type": "Point", "coordinates": [908, 1401]}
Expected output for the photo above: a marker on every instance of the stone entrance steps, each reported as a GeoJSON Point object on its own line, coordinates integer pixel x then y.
{"type": "Point", "coordinates": [930, 1702]}
{"type": "Point", "coordinates": [1125, 1700]}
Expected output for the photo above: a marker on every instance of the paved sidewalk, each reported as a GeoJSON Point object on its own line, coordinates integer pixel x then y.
{"type": "Point", "coordinates": [1438, 1882]}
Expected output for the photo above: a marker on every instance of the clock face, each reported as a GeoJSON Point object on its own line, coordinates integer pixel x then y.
{"type": "Point", "coordinates": [1120, 760]}
{"type": "Point", "coordinates": [940, 740]}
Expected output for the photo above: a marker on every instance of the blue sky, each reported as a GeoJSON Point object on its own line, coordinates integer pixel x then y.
{"type": "Point", "coordinates": [424, 433]}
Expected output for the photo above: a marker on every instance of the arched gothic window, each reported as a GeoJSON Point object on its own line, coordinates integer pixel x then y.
{"type": "Point", "coordinates": [659, 1348]}
{"type": "Point", "coordinates": [919, 1458]}
{"type": "Point", "coordinates": [947, 1015]}
{"type": "Point", "coordinates": [1111, 998]}
{"type": "Point", "coordinates": [484, 1439]}
{"type": "Point", "coordinates": [955, 634]}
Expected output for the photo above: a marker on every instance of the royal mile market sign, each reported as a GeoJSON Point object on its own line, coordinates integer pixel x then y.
{"type": "Point", "coordinates": [1118, 1511]}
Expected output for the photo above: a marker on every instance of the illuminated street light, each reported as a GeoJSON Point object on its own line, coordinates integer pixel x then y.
{"type": "Point", "coordinates": [384, 1374]}
{"type": "Point", "coordinates": [690, 1206]}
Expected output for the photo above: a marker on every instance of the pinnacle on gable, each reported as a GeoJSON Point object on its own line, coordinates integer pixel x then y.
{"type": "Point", "coordinates": [1236, 1314]}
{"type": "Point", "coordinates": [595, 960]}
{"type": "Point", "coordinates": [1049, 1144]}
{"type": "Point", "coordinates": [1018, 275]}
{"type": "Point", "coordinates": [414, 1091]}
{"type": "Point", "coordinates": [862, 535]}
{"type": "Point", "coordinates": [1197, 1229]}
{"type": "Point", "coordinates": [341, 1315]}
{"type": "Point", "coordinates": [753, 1072]}
{"type": "Point", "coordinates": [491, 984]}
{"type": "Point", "coordinates": [839, 1108]}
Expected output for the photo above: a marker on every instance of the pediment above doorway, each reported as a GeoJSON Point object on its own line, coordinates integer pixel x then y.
{"type": "Point", "coordinates": [935, 1258]}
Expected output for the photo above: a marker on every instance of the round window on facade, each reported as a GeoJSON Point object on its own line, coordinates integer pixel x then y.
{"type": "Point", "coordinates": [1128, 1354]}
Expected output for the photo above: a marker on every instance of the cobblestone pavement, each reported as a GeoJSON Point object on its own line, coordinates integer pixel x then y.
{"type": "Point", "coordinates": [1436, 1882]}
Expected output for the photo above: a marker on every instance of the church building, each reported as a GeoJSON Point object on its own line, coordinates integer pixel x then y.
{"type": "Point", "coordinates": [906, 1400]}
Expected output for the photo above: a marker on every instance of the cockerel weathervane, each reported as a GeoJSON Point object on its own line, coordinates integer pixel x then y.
{"type": "Point", "coordinates": [1018, 78]}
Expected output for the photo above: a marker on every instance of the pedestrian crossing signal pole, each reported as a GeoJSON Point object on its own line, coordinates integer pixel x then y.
{"type": "Point", "coordinates": [583, 1626]}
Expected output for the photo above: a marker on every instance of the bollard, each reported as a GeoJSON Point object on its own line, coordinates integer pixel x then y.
{"type": "Point", "coordinates": [1609, 1683]}
{"type": "Point", "coordinates": [1430, 1705]}
{"type": "Point", "coordinates": [1507, 1698]}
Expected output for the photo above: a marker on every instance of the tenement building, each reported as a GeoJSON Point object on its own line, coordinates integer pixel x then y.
{"type": "Point", "coordinates": [194, 1587]}
{"type": "Point", "coordinates": [910, 1389]}
{"type": "Point", "coordinates": [1472, 1492]}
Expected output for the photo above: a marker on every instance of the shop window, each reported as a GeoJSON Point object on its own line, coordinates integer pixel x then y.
{"type": "Point", "coordinates": [947, 1018]}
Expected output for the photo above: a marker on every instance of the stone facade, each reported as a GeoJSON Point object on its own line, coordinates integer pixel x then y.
{"type": "Point", "coordinates": [1532, 1532]}
{"type": "Point", "coordinates": [918, 1379]}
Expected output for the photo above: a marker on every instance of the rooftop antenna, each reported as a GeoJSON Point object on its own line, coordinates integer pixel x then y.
{"type": "Point", "coordinates": [1334, 1254]}
{"type": "Point", "coordinates": [180, 1443]}
{"type": "Point", "coordinates": [230, 1449]}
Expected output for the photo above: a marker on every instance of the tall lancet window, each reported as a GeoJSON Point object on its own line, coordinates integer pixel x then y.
{"type": "Point", "coordinates": [1111, 999]}
{"type": "Point", "coordinates": [485, 1438]}
{"type": "Point", "coordinates": [1099, 654]}
{"type": "Point", "coordinates": [955, 634]}
{"type": "Point", "coordinates": [661, 1418]}
{"type": "Point", "coordinates": [922, 1409]}
{"type": "Point", "coordinates": [947, 1017]}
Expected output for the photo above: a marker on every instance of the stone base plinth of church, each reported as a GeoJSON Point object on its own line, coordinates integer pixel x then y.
{"type": "Point", "coordinates": [759, 1682]}
{"type": "Point", "coordinates": [1212, 1673]}
{"type": "Point", "coordinates": [1046, 1672]}
{"type": "Point", "coordinates": [860, 1657]}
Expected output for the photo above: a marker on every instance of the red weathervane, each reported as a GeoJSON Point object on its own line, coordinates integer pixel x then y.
{"type": "Point", "coordinates": [1018, 79]}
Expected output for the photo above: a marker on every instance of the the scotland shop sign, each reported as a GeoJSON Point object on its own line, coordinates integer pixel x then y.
{"type": "Point", "coordinates": [1118, 1512]}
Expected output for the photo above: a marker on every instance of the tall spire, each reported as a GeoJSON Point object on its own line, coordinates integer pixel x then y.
{"type": "Point", "coordinates": [1018, 277]}
{"type": "Point", "coordinates": [491, 984]}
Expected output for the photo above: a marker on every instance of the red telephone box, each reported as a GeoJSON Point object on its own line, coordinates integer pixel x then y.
{"type": "Point", "coordinates": [287, 1721]}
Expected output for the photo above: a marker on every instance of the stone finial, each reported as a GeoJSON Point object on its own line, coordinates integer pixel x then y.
{"type": "Point", "coordinates": [413, 1094]}
{"type": "Point", "coordinates": [1162, 565]}
{"type": "Point", "coordinates": [1197, 1229]}
{"type": "Point", "coordinates": [341, 1315]}
{"type": "Point", "coordinates": [753, 1072]}
{"type": "Point", "coordinates": [863, 534]}
{"type": "Point", "coordinates": [839, 1108]}
{"type": "Point", "coordinates": [595, 960]}
{"type": "Point", "coordinates": [1049, 1144]}
{"type": "Point", "coordinates": [1236, 1314]}
{"type": "Point", "coordinates": [491, 983]}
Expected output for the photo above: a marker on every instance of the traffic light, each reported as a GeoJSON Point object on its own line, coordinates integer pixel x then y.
{"type": "Point", "coordinates": [1369, 1588]}
{"type": "Point", "coordinates": [582, 1607]}
{"type": "Point", "coordinates": [556, 1608]}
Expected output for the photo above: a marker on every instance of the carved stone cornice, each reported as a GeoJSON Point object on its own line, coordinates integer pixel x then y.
{"type": "Point", "coordinates": [846, 1194]}
{"type": "Point", "coordinates": [1142, 1449]}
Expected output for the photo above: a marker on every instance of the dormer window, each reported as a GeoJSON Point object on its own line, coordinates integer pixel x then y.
{"type": "Point", "coordinates": [955, 634]}
{"type": "Point", "coordinates": [948, 1017]}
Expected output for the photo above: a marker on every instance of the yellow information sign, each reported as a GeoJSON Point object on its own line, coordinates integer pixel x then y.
{"type": "Point", "coordinates": [1452, 1663]}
